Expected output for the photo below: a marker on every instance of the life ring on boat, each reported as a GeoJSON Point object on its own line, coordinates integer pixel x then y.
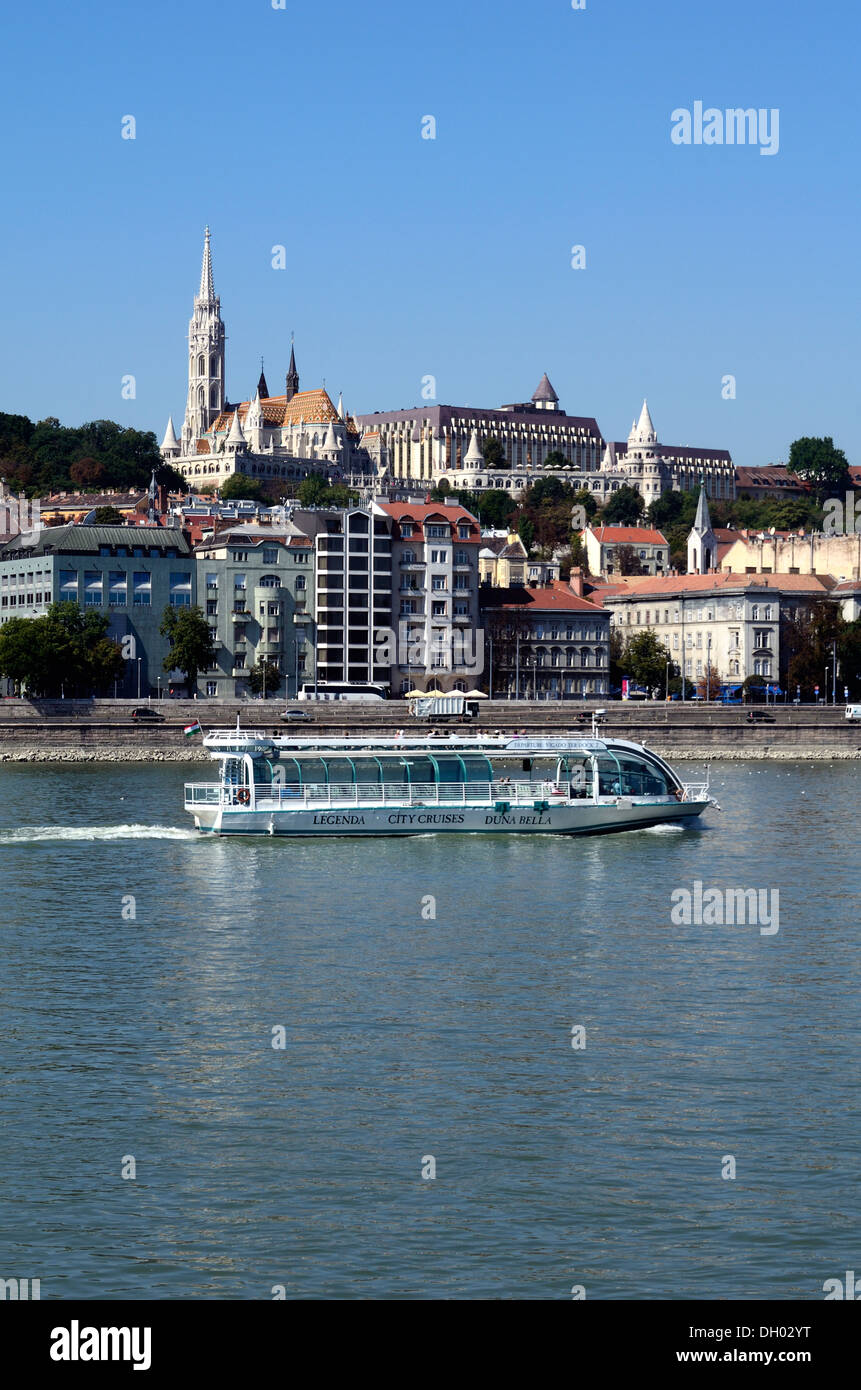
{"type": "Point", "coordinates": [243, 796]}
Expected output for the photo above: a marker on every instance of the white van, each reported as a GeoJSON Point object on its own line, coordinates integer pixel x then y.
{"type": "Point", "coordinates": [853, 712]}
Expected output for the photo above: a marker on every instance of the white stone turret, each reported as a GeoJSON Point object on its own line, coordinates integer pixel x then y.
{"type": "Point", "coordinates": [254, 424]}
{"type": "Point", "coordinates": [236, 437]}
{"type": "Point", "coordinates": [170, 443]}
{"type": "Point", "coordinates": [474, 457]}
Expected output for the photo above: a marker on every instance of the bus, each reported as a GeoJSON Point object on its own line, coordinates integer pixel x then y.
{"type": "Point", "coordinates": [343, 690]}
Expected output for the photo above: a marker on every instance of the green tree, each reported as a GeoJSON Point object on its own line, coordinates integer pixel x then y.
{"type": "Point", "coordinates": [526, 532]}
{"type": "Point", "coordinates": [65, 651]}
{"type": "Point", "coordinates": [624, 507]}
{"type": "Point", "coordinates": [192, 648]}
{"type": "Point", "coordinates": [497, 509]}
{"type": "Point", "coordinates": [644, 660]}
{"type": "Point", "coordinates": [264, 678]}
{"type": "Point", "coordinates": [555, 459]}
{"type": "Point", "coordinates": [242, 488]}
{"type": "Point", "coordinates": [820, 464]}
{"type": "Point", "coordinates": [628, 561]}
{"type": "Point", "coordinates": [108, 516]}
{"type": "Point", "coordinates": [171, 478]}
{"type": "Point", "coordinates": [493, 453]}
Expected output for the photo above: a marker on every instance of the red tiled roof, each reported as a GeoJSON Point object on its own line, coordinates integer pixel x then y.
{"type": "Point", "coordinates": [706, 583]}
{"type": "Point", "coordinates": [557, 598]}
{"type": "Point", "coordinates": [628, 535]}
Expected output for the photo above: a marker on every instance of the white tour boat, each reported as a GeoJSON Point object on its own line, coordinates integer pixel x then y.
{"type": "Point", "coordinates": [409, 784]}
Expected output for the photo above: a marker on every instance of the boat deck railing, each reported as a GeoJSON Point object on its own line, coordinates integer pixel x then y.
{"type": "Point", "coordinates": [274, 796]}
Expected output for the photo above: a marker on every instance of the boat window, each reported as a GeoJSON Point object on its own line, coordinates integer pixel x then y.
{"type": "Point", "coordinates": [314, 772]}
{"type": "Point", "coordinates": [394, 770]}
{"type": "Point", "coordinates": [292, 772]}
{"type": "Point", "coordinates": [609, 775]}
{"type": "Point", "coordinates": [340, 769]}
{"type": "Point", "coordinates": [478, 768]}
{"type": "Point", "coordinates": [421, 770]}
{"type": "Point", "coordinates": [640, 778]}
{"type": "Point", "coordinates": [367, 769]}
{"type": "Point", "coordinates": [449, 769]}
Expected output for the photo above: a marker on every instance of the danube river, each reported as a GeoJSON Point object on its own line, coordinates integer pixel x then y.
{"type": "Point", "coordinates": [501, 1069]}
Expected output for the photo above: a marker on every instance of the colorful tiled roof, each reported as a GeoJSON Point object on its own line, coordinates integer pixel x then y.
{"type": "Point", "coordinates": [628, 535]}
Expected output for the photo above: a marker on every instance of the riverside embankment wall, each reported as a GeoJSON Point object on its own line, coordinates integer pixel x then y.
{"type": "Point", "coordinates": [67, 730]}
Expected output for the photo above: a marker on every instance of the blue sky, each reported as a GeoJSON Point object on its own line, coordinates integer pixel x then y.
{"type": "Point", "coordinates": [405, 257]}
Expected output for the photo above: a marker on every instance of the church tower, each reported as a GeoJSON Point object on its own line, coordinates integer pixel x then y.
{"type": "Point", "coordinates": [292, 382]}
{"type": "Point", "coordinates": [702, 541]}
{"type": "Point", "coordinates": [205, 358]}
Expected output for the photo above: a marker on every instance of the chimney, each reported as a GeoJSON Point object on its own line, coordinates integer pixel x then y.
{"type": "Point", "coordinates": [575, 581]}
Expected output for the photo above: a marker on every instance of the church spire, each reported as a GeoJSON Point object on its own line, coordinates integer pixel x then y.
{"type": "Point", "coordinates": [292, 374]}
{"type": "Point", "coordinates": [207, 289]}
{"type": "Point", "coordinates": [262, 388]}
{"type": "Point", "coordinates": [702, 520]}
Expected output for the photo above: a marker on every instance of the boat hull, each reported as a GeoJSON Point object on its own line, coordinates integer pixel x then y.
{"type": "Point", "coordinates": [583, 818]}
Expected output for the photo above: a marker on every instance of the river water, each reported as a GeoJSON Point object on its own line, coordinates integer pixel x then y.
{"type": "Point", "coordinates": [425, 992]}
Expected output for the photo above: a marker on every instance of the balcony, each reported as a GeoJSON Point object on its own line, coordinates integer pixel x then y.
{"type": "Point", "coordinates": [238, 671]}
{"type": "Point", "coordinates": [301, 617]}
{"type": "Point", "coordinates": [412, 564]}
{"type": "Point", "coordinates": [240, 615]}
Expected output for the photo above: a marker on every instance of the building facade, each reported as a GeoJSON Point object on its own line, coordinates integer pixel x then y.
{"type": "Point", "coordinates": [503, 560]}
{"type": "Point", "coordinates": [729, 623]}
{"type": "Point", "coordinates": [435, 581]}
{"type": "Point", "coordinates": [547, 643]}
{"type": "Point", "coordinates": [256, 587]}
{"type": "Point", "coordinates": [353, 592]}
{"type": "Point", "coordinates": [447, 442]}
{"type": "Point", "coordinates": [130, 574]}
{"type": "Point", "coordinates": [605, 544]}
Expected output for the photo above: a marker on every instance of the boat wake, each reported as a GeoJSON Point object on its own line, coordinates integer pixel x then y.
{"type": "Point", "coordinates": [33, 834]}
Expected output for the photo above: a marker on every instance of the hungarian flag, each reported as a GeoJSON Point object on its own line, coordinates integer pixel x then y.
{"type": "Point", "coordinates": [191, 729]}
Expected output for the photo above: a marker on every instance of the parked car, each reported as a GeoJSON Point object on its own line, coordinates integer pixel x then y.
{"type": "Point", "coordinates": [296, 714]}
{"type": "Point", "coordinates": [146, 713]}
{"type": "Point", "coordinates": [759, 716]}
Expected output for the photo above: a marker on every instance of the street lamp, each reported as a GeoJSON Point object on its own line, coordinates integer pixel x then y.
{"type": "Point", "coordinates": [139, 677]}
{"type": "Point", "coordinates": [667, 681]}
{"type": "Point", "coordinates": [158, 679]}
{"type": "Point", "coordinates": [825, 687]}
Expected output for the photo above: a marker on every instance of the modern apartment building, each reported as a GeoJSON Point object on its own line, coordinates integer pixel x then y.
{"type": "Point", "coordinates": [353, 588]}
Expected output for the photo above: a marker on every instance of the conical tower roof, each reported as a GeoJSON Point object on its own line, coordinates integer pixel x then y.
{"type": "Point", "coordinates": [473, 453]}
{"type": "Point", "coordinates": [170, 440]}
{"type": "Point", "coordinates": [645, 426]}
{"type": "Point", "coordinates": [544, 391]}
{"type": "Point", "coordinates": [262, 388]}
{"type": "Point", "coordinates": [207, 289]}
{"type": "Point", "coordinates": [702, 520]}
{"type": "Point", "coordinates": [236, 435]}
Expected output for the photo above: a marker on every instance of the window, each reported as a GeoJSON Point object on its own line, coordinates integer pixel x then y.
{"type": "Point", "coordinates": [438, 582]}
{"type": "Point", "coordinates": [461, 557]}
{"type": "Point", "coordinates": [675, 641]}
{"type": "Point", "coordinates": [463, 530]}
{"type": "Point", "coordinates": [117, 589]}
{"type": "Point", "coordinates": [180, 590]}
{"type": "Point", "coordinates": [239, 581]}
{"type": "Point", "coordinates": [438, 610]}
{"type": "Point", "coordinates": [754, 613]}
{"type": "Point", "coordinates": [408, 605]}
{"type": "Point", "coordinates": [270, 557]}
{"type": "Point", "coordinates": [439, 557]}
{"type": "Point", "coordinates": [435, 532]}
{"type": "Point", "coordinates": [270, 581]}
{"type": "Point", "coordinates": [461, 581]}
{"type": "Point", "coordinates": [212, 581]}
{"type": "Point", "coordinates": [301, 583]}
{"type": "Point", "coordinates": [211, 688]}
{"type": "Point", "coordinates": [767, 613]}
{"type": "Point", "coordinates": [93, 584]}
{"type": "Point", "coordinates": [142, 589]}
{"type": "Point", "coordinates": [211, 607]}
{"type": "Point", "coordinates": [68, 586]}
{"type": "Point", "coordinates": [408, 557]}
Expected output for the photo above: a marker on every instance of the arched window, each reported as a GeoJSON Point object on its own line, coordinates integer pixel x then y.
{"type": "Point", "coordinates": [213, 396]}
{"type": "Point", "coordinates": [460, 685]}
{"type": "Point", "coordinates": [555, 657]}
{"type": "Point", "coordinates": [201, 365]}
{"type": "Point", "coordinates": [584, 657]}
{"type": "Point", "coordinates": [213, 365]}
{"type": "Point", "coordinates": [571, 656]}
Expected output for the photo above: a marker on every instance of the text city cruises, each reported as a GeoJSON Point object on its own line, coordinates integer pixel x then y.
{"type": "Point", "coordinates": [409, 785]}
